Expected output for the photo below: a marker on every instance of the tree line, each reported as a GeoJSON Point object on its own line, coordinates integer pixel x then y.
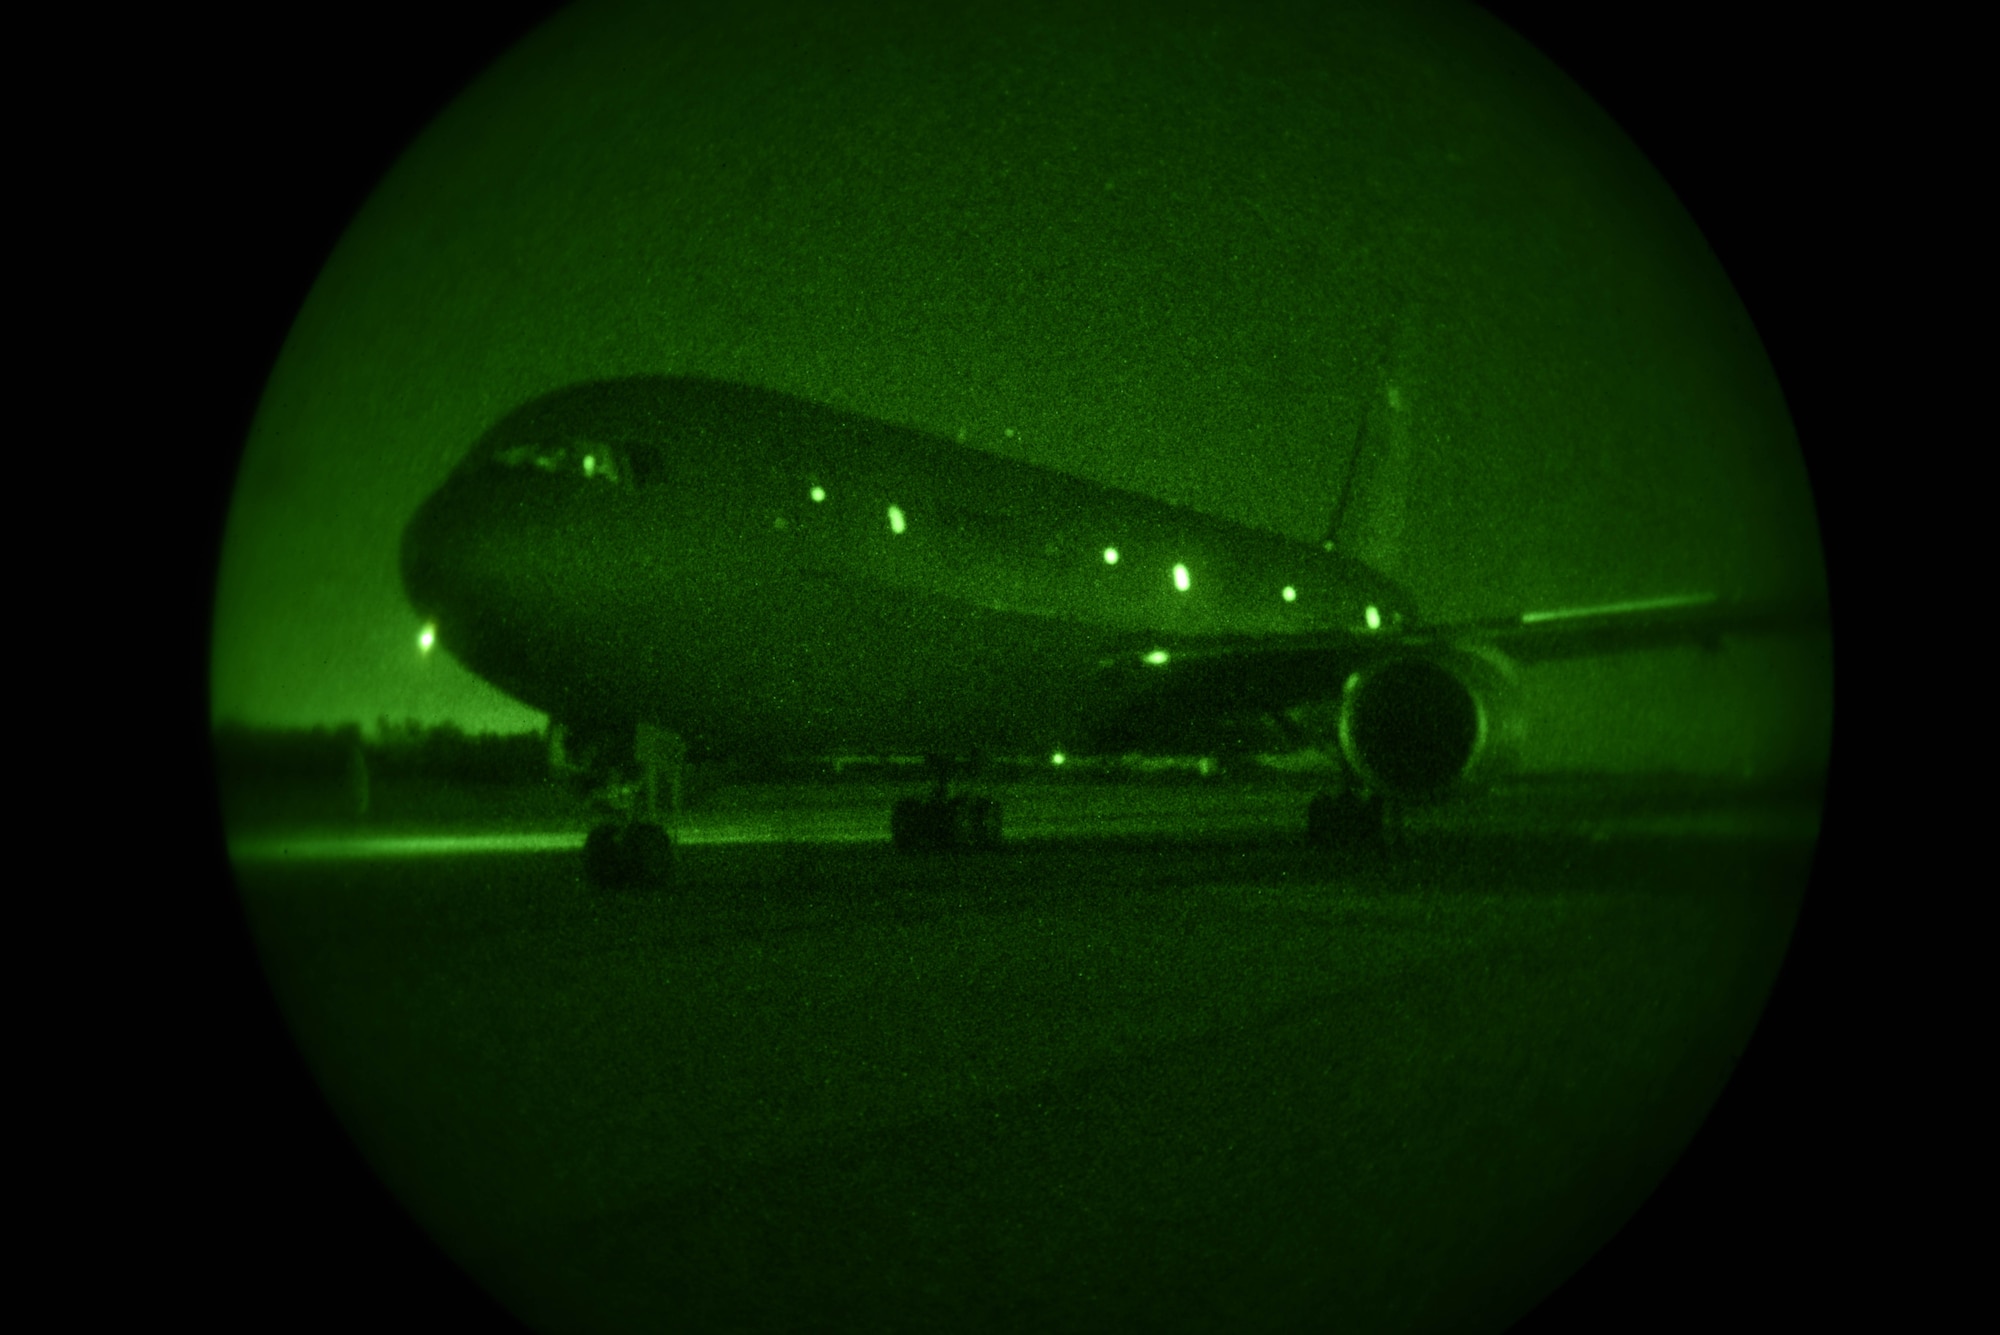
{"type": "Point", "coordinates": [396, 750]}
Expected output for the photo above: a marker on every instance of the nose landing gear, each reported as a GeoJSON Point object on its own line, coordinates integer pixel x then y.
{"type": "Point", "coordinates": [631, 849]}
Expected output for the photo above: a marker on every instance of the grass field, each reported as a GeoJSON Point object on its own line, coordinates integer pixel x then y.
{"type": "Point", "coordinates": [1136, 1084]}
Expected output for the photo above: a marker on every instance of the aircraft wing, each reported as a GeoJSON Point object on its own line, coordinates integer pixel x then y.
{"type": "Point", "coordinates": [1162, 678]}
{"type": "Point", "coordinates": [1702, 620]}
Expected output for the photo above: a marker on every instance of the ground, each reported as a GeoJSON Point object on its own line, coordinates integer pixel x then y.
{"type": "Point", "coordinates": [1160, 1080]}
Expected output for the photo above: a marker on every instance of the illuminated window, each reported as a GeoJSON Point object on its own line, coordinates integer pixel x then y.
{"type": "Point", "coordinates": [896, 521]}
{"type": "Point", "coordinates": [1181, 578]}
{"type": "Point", "coordinates": [1291, 595]}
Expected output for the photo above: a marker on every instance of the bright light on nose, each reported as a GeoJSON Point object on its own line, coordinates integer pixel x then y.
{"type": "Point", "coordinates": [1111, 556]}
{"type": "Point", "coordinates": [896, 521]}
{"type": "Point", "coordinates": [1374, 617]}
{"type": "Point", "coordinates": [1291, 594]}
{"type": "Point", "coordinates": [426, 639]}
{"type": "Point", "coordinates": [1181, 578]}
{"type": "Point", "coordinates": [819, 493]}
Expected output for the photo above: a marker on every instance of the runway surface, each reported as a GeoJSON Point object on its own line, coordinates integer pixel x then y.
{"type": "Point", "coordinates": [1183, 1074]}
{"type": "Point", "coordinates": [1042, 813]}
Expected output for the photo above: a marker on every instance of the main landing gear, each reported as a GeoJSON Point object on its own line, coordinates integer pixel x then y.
{"type": "Point", "coordinates": [1353, 819]}
{"type": "Point", "coordinates": [943, 822]}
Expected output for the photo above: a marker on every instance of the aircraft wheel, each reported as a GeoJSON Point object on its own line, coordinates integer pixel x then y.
{"type": "Point", "coordinates": [911, 822]}
{"type": "Point", "coordinates": [1322, 820]}
{"type": "Point", "coordinates": [649, 855]}
{"type": "Point", "coordinates": [617, 857]}
{"type": "Point", "coordinates": [1342, 820]}
{"type": "Point", "coordinates": [1381, 827]}
{"type": "Point", "coordinates": [982, 822]}
{"type": "Point", "coordinates": [603, 863]}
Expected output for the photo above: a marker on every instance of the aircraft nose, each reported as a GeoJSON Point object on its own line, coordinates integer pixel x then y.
{"type": "Point", "coordinates": [426, 547]}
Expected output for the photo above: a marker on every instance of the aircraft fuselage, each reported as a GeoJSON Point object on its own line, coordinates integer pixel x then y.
{"type": "Point", "coordinates": [755, 570]}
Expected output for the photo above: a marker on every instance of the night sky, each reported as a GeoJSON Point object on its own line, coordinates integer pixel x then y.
{"type": "Point", "coordinates": [1172, 255]}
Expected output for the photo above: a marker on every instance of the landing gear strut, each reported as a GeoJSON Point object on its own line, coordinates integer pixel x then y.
{"type": "Point", "coordinates": [1350, 818]}
{"type": "Point", "coordinates": [941, 821]}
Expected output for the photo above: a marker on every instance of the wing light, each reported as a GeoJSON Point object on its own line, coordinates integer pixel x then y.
{"type": "Point", "coordinates": [1157, 657]}
{"type": "Point", "coordinates": [1291, 595]}
{"type": "Point", "coordinates": [1181, 578]}
{"type": "Point", "coordinates": [896, 521]}
{"type": "Point", "coordinates": [1373, 616]}
{"type": "Point", "coordinates": [1111, 556]}
{"type": "Point", "coordinates": [818, 494]}
{"type": "Point", "coordinates": [427, 639]}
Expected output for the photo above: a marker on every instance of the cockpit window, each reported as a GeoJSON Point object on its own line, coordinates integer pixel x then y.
{"type": "Point", "coordinates": [577, 458]}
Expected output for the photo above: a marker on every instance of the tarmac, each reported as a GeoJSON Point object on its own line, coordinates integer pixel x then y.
{"type": "Point", "coordinates": [1036, 814]}
{"type": "Point", "coordinates": [1155, 1065]}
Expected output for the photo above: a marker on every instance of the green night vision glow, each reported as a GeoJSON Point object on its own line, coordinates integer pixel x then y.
{"type": "Point", "coordinates": [1361, 963]}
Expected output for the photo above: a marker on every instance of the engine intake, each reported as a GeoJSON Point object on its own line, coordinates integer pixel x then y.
{"type": "Point", "coordinates": [1423, 725]}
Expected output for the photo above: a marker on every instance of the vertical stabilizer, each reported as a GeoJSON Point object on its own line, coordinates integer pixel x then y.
{"type": "Point", "coordinates": [1370, 514]}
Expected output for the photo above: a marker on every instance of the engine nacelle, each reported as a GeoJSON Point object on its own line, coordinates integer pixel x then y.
{"type": "Point", "coordinates": [1424, 724]}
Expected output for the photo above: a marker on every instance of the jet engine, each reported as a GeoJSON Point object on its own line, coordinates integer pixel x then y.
{"type": "Point", "coordinates": [1420, 725]}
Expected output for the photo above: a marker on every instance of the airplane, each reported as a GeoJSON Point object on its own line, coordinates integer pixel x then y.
{"type": "Point", "coordinates": [679, 567]}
